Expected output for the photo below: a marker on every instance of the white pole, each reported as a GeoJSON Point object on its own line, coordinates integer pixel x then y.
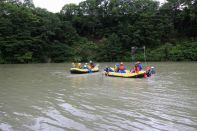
{"type": "Point", "coordinates": [145, 55]}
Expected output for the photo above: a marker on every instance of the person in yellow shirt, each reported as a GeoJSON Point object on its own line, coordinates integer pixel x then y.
{"type": "Point", "coordinates": [73, 65]}
{"type": "Point", "coordinates": [116, 68]}
{"type": "Point", "coordinates": [79, 65]}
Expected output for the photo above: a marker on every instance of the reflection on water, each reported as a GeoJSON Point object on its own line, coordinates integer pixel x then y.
{"type": "Point", "coordinates": [47, 97]}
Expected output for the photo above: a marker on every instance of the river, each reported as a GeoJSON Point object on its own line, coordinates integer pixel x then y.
{"type": "Point", "coordinates": [46, 97]}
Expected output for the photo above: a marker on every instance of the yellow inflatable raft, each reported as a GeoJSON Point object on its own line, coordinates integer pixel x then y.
{"type": "Point", "coordinates": [128, 74]}
{"type": "Point", "coordinates": [82, 71]}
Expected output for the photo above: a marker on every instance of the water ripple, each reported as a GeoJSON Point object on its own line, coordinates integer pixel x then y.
{"type": "Point", "coordinates": [48, 97]}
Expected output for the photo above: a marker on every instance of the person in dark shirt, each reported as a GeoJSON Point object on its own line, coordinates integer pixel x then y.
{"type": "Point", "coordinates": [91, 64]}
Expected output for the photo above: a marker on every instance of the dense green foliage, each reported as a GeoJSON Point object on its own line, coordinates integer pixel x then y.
{"type": "Point", "coordinates": [99, 30]}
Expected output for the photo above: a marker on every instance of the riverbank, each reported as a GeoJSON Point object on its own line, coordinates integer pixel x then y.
{"type": "Point", "coordinates": [185, 51]}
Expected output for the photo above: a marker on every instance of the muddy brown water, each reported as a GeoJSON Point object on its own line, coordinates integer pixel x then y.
{"type": "Point", "coordinates": [46, 97]}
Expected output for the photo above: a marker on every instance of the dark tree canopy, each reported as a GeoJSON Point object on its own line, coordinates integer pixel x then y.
{"type": "Point", "coordinates": [99, 30]}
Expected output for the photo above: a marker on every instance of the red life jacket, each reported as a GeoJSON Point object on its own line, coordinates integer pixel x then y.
{"type": "Point", "coordinates": [136, 69]}
{"type": "Point", "coordinates": [121, 67]}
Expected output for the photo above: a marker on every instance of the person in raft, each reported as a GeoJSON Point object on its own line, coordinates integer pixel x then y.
{"type": "Point", "coordinates": [73, 65]}
{"type": "Point", "coordinates": [135, 69]}
{"type": "Point", "coordinates": [85, 66]}
{"type": "Point", "coordinates": [78, 65]}
{"type": "Point", "coordinates": [139, 64]}
{"type": "Point", "coordinates": [91, 64]}
{"type": "Point", "coordinates": [138, 67]}
{"type": "Point", "coordinates": [122, 68]}
{"type": "Point", "coordinates": [116, 68]}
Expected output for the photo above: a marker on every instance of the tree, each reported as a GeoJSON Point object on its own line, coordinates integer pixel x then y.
{"type": "Point", "coordinates": [70, 10]}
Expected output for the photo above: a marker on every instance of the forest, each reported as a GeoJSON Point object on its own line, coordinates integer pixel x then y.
{"type": "Point", "coordinates": [98, 30]}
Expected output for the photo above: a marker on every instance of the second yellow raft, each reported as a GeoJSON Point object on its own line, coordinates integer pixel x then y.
{"type": "Point", "coordinates": [128, 74]}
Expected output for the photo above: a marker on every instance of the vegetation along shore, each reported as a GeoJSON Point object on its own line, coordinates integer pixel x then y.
{"type": "Point", "coordinates": [99, 30]}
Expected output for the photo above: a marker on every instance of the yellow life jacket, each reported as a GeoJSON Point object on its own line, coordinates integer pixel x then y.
{"type": "Point", "coordinates": [115, 68]}
{"type": "Point", "coordinates": [73, 65]}
{"type": "Point", "coordinates": [79, 65]}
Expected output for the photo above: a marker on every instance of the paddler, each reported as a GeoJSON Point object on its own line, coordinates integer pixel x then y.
{"type": "Point", "coordinates": [122, 68]}
{"type": "Point", "coordinates": [79, 65]}
{"type": "Point", "coordinates": [91, 64]}
{"type": "Point", "coordinates": [116, 68]}
{"type": "Point", "coordinates": [73, 65]}
{"type": "Point", "coordinates": [85, 66]}
{"type": "Point", "coordinates": [135, 69]}
{"type": "Point", "coordinates": [139, 64]}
